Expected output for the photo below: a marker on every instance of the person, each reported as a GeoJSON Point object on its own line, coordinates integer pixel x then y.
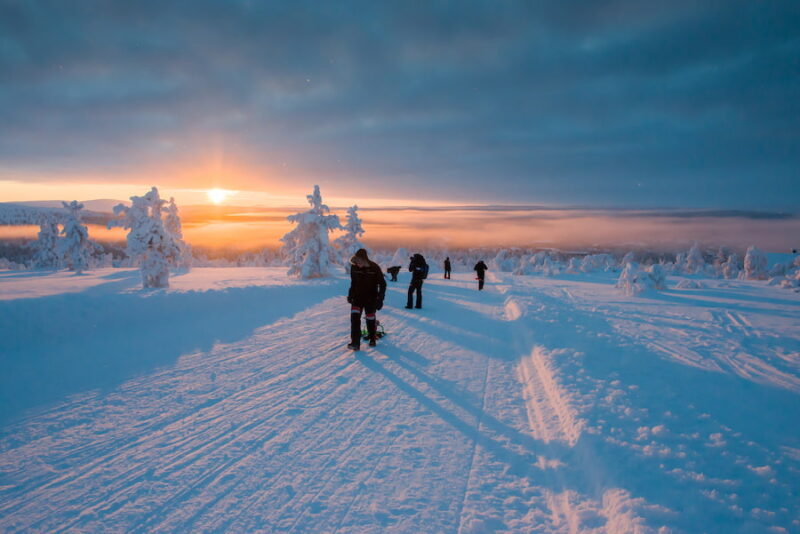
{"type": "Point", "coordinates": [481, 269]}
{"type": "Point", "coordinates": [447, 268]}
{"type": "Point", "coordinates": [367, 290]}
{"type": "Point", "coordinates": [394, 271]}
{"type": "Point", "coordinates": [419, 272]}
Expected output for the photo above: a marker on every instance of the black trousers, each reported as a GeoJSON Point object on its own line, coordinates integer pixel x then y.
{"type": "Point", "coordinates": [447, 273]}
{"type": "Point", "coordinates": [480, 283]}
{"type": "Point", "coordinates": [415, 285]}
{"type": "Point", "coordinates": [355, 322]}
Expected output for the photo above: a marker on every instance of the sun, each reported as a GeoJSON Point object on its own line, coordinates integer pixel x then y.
{"type": "Point", "coordinates": [217, 196]}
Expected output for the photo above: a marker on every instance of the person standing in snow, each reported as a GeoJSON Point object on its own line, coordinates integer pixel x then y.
{"type": "Point", "coordinates": [447, 268]}
{"type": "Point", "coordinates": [367, 290]}
{"type": "Point", "coordinates": [481, 269]}
{"type": "Point", "coordinates": [419, 272]}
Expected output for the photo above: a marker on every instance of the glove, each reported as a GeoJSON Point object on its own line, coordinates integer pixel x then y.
{"type": "Point", "coordinates": [349, 299]}
{"type": "Point", "coordinates": [379, 306]}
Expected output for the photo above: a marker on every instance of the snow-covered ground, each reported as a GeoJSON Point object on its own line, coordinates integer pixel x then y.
{"type": "Point", "coordinates": [229, 403]}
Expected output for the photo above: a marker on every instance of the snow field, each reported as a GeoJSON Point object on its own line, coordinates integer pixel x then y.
{"type": "Point", "coordinates": [228, 403]}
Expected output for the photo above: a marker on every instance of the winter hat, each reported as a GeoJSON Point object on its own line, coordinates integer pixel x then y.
{"type": "Point", "coordinates": [360, 253]}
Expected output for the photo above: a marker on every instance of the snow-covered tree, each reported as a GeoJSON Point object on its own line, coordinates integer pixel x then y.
{"type": "Point", "coordinates": [633, 281]}
{"type": "Point", "coordinates": [627, 258]}
{"type": "Point", "coordinates": [349, 243]}
{"type": "Point", "coordinates": [307, 247]}
{"type": "Point", "coordinates": [721, 257]}
{"type": "Point", "coordinates": [680, 262]}
{"type": "Point", "coordinates": [695, 263]}
{"type": "Point", "coordinates": [150, 245]}
{"type": "Point", "coordinates": [627, 279]}
{"type": "Point", "coordinates": [658, 275]}
{"type": "Point", "coordinates": [755, 264]}
{"type": "Point", "coordinates": [543, 262]}
{"type": "Point", "coordinates": [730, 267]}
{"type": "Point", "coordinates": [46, 254]}
{"type": "Point", "coordinates": [505, 261]}
{"type": "Point", "coordinates": [172, 224]}
{"type": "Point", "coordinates": [75, 246]}
{"type": "Point", "coordinates": [779, 269]}
{"type": "Point", "coordinates": [596, 262]}
{"type": "Point", "coordinates": [574, 265]}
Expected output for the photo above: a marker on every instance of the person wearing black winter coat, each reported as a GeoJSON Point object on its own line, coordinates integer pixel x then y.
{"type": "Point", "coordinates": [447, 268]}
{"type": "Point", "coordinates": [394, 271]}
{"type": "Point", "coordinates": [419, 271]}
{"type": "Point", "coordinates": [481, 269]}
{"type": "Point", "coordinates": [367, 291]}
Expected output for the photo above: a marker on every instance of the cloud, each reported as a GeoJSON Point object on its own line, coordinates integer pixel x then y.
{"type": "Point", "coordinates": [611, 103]}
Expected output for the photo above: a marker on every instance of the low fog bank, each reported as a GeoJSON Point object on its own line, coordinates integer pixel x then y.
{"type": "Point", "coordinates": [230, 231]}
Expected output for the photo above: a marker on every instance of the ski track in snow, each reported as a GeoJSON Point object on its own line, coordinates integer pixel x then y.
{"type": "Point", "coordinates": [528, 407]}
{"type": "Point", "coordinates": [550, 415]}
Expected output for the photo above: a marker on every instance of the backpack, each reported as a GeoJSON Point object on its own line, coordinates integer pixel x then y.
{"type": "Point", "coordinates": [423, 272]}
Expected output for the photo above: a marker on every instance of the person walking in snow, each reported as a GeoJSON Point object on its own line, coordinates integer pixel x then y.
{"type": "Point", "coordinates": [367, 290]}
{"type": "Point", "coordinates": [394, 271]}
{"type": "Point", "coordinates": [447, 268]}
{"type": "Point", "coordinates": [481, 269]}
{"type": "Point", "coordinates": [419, 272]}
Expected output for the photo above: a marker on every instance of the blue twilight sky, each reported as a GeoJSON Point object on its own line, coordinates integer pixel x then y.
{"type": "Point", "coordinates": [623, 103]}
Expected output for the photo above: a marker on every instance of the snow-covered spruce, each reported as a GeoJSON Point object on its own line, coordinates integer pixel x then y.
{"type": "Point", "coordinates": [634, 281]}
{"type": "Point", "coordinates": [658, 275]}
{"type": "Point", "coordinates": [504, 262]}
{"type": "Point", "coordinates": [695, 262]}
{"type": "Point", "coordinates": [75, 247]}
{"type": "Point", "coordinates": [627, 258]}
{"type": "Point", "coordinates": [307, 248]}
{"type": "Point", "coordinates": [149, 244]}
{"type": "Point", "coordinates": [574, 265]}
{"type": "Point", "coordinates": [540, 263]}
{"type": "Point", "coordinates": [18, 215]}
{"type": "Point", "coordinates": [755, 264]}
{"type": "Point", "coordinates": [729, 269]}
{"type": "Point", "coordinates": [172, 223]}
{"type": "Point", "coordinates": [598, 262]}
{"type": "Point", "coordinates": [349, 243]}
{"type": "Point", "coordinates": [8, 265]}
{"type": "Point", "coordinates": [46, 254]}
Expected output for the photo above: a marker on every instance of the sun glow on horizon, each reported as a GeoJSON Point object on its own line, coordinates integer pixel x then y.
{"type": "Point", "coordinates": [218, 196]}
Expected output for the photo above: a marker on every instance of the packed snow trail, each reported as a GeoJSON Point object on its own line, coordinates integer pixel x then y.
{"type": "Point", "coordinates": [528, 407]}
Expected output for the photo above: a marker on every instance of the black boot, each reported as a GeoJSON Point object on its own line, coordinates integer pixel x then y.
{"type": "Point", "coordinates": [372, 332]}
{"type": "Point", "coordinates": [355, 331]}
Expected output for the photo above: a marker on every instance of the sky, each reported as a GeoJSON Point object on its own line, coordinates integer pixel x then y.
{"type": "Point", "coordinates": [596, 104]}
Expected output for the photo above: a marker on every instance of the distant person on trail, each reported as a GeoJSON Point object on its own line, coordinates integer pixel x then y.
{"type": "Point", "coordinates": [481, 269]}
{"type": "Point", "coordinates": [394, 271]}
{"type": "Point", "coordinates": [419, 272]}
{"type": "Point", "coordinates": [367, 290]}
{"type": "Point", "coordinates": [447, 268]}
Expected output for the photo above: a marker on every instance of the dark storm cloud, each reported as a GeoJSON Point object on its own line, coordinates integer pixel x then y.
{"type": "Point", "coordinates": [613, 103]}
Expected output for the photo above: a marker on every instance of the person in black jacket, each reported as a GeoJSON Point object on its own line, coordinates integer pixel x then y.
{"type": "Point", "coordinates": [419, 272]}
{"type": "Point", "coordinates": [367, 290]}
{"type": "Point", "coordinates": [481, 269]}
{"type": "Point", "coordinates": [447, 268]}
{"type": "Point", "coordinates": [394, 271]}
